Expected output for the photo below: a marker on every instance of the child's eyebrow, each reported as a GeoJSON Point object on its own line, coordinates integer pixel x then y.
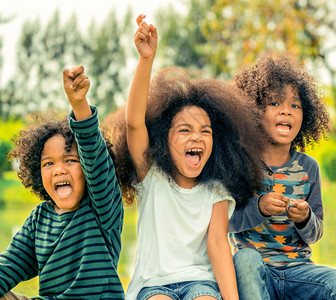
{"type": "Point", "coordinates": [188, 125]}
{"type": "Point", "coordinates": [66, 154]}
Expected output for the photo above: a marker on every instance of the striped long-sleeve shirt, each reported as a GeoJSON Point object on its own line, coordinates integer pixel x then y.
{"type": "Point", "coordinates": [75, 254]}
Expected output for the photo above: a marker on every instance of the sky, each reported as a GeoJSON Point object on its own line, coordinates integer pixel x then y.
{"type": "Point", "coordinates": [86, 11]}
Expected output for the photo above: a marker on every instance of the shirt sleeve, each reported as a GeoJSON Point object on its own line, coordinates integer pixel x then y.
{"type": "Point", "coordinates": [247, 217]}
{"type": "Point", "coordinates": [18, 262]}
{"type": "Point", "coordinates": [313, 230]}
{"type": "Point", "coordinates": [103, 186]}
{"type": "Point", "coordinates": [222, 194]}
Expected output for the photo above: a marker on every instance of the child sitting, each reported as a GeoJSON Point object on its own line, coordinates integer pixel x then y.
{"type": "Point", "coordinates": [72, 239]}
{"type": "Point", "coordinates": [272, 235]}
{"type": "Point", "coordinates": [191, 155]}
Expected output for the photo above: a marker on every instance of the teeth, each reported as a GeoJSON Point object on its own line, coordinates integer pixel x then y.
{"type": "Point", "coordinates": [195, 150]}
{"type": "Point", "coordinates": [62, 183]}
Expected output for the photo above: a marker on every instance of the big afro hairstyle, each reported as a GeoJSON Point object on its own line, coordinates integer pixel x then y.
{"type": "Point", "coordinates": [235, 123]}
{"type": "Point", "coordinates": [268, 78]}
{"type": "Point", "coordinates": [29, 144]}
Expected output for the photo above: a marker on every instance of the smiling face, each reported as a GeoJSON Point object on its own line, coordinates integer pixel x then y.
{"type": "Point", "coordinates": [190, 144]}
{"type": "Point", "coordinates": [284, 118]}
{"type": "Point", "coordinates": [62, 174]}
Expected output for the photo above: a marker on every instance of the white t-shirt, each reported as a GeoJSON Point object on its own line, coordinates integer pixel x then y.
{"type": "Point", "coordinates": [172, 231]}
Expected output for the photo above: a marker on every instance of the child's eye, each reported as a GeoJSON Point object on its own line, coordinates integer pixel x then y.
{"type": "Point", "coordinates": [207, 131]}
{"type": "Point", "coordinates": [273, 104]}
{"type": "Point", "coordinates": [295, 106]}
{"type": "Point", "coordinates": [184, 130]}
{"type": "Point", "coordinates": [72, 160]}
{"type": "Point", "coordinates": [47, 164]}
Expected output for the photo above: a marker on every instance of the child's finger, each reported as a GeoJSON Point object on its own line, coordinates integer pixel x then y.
{"type": "Point", "coordinates": [140, 18]}
{"type": "Point", "coordinates": [66, 75]}
{"type": "Point", "coordinates": [81, 80]}
{"type": "Point", "coordinates": [279, 203]}
{"type": "Point", "coordinates": [143, 31]}
{"type": "Point", "coordinates": [75, 71]}
{"type": "Point", "coordinates": [302, 205]}
{"type": "Point", "coordinates": [153, 30]}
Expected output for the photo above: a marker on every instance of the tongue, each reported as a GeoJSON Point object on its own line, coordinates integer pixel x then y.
{"type": "Point", "coordinates": [192, 159]}
{"type": "Point", "coordinates": [64, 191]}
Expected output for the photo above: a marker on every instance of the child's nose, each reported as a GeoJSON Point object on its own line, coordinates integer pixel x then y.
{"type": "Point", "coordinates": [59, 170]}
{"type": "Point", "coordinates": [285, 110]}
{"type": "Point", "coordinates": [196, 136]}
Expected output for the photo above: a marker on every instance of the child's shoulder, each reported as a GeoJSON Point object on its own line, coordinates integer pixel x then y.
{"type": "Point", "coordinates": [42, 209]}
{"type": "Point", "coordinates": [304, 162]}
{"type": "Point", "coordinates": [304, 158]}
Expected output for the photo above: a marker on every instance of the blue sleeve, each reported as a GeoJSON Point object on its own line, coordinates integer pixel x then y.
{"type": "Point", "coordinates": [103, 186]}
{"type": "Point", "coordinates": [313, 230]}
{"type": "Point", "coordinates": [18, 262]}
{"type": "Point", "coordinates": [247, 217]}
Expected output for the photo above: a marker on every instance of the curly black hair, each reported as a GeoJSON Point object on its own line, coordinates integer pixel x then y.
{"type": "Point", "coordinates": [29, 144]}
{"type": "Point", "coordinates": [269, 77]}
{"type": "Point", "coordinates": [237, 141]}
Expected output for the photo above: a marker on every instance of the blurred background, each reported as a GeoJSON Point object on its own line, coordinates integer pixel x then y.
{"type": "Point", "coordinates": [39, 38]}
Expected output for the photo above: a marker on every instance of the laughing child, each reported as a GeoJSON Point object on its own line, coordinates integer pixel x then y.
{"type": "Point", "coordinates": [72, 239]}
{"type": "Point", "coordinates": [180, 147]}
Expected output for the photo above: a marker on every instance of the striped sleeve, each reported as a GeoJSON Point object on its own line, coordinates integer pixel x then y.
{"type": "Point", "coordinates": [97, 164]}
{"type": "Point", "coordinates": [18, 262]}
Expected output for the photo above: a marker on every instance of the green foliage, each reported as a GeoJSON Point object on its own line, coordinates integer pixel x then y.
{"type": "Point", "coordinates": [7, 129]}
{"type": "Point", "coordinates": [43, 51]}
{"type": "Point", "coordinates": [220, 36]}
{"type": "Point", "coordinates": [329, 163]}
{"type": "Point", "coordinates": [5, 147]}
{"type": "Point", "coordinates": [13, 193]}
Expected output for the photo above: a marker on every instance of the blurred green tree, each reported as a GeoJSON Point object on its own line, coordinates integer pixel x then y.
{"type": "Point", "coordinates": [225, 35]}
{"type": "Point", "coordinates": [43, 51]}
{"type": "Point", "coordinates": [107, 61]}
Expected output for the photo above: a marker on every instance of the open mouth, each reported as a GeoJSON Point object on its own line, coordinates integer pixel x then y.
{"type": "Point", "coordinates": [193, 157]}
{"type": "Point", "coordinates": [283, 127]}
{"type": "Point", "coordinates": [63, 189]}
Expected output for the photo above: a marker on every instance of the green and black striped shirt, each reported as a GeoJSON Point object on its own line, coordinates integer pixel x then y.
{"type": "Point", "coordinates": [75, 254]}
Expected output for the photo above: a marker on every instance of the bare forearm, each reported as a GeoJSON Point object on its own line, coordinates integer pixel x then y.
{"type": "Point", "coordinates": [82, 111]}
{"type": "Point", "coordinates": [223, 268]}
{"type": "Point", "coordinates": [138, 95]}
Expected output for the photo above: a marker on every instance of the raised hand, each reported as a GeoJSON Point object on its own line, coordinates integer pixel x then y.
{"type": "Point", "coordinates": [273, 204]}
{"type": "Point", "coordinates": [145, 38]}
{"type": "Point", "coordinates": [76, 85]}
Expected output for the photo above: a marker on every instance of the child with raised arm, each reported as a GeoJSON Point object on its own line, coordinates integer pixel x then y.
{"type": "Point", "coordinates": [187, 147]}
{"type": "Point", "coordinates": [72, 239]}
{"type": "Point", "coordinates": [272, 235]}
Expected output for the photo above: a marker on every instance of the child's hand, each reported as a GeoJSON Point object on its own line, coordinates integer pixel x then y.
{"type": "Point", "coordinates": [273, 204]}
{"type": "Point", "coordinates": [145, 38]}
{"type": "Point", "coordinates": [76, 84]}
{"type": "Point", "coordinates": [298, 211]}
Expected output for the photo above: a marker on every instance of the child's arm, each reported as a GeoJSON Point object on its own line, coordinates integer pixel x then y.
{"type": "Point", "coordinates": [97, 164]}
{"type": "Point", "coordinates": [145, 40]}
{"type": "Point", "coordinates": [219, 251]}
{"type": "Point", "coordinates": [258, 210]}
{"type": "Point", "coordinates": [18, 262]}
{"type": "Point", "coordinates": [308, 214]}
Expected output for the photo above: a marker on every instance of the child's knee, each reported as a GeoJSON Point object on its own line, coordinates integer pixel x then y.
{"type": "Point", "coordinates": [247, 260]}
